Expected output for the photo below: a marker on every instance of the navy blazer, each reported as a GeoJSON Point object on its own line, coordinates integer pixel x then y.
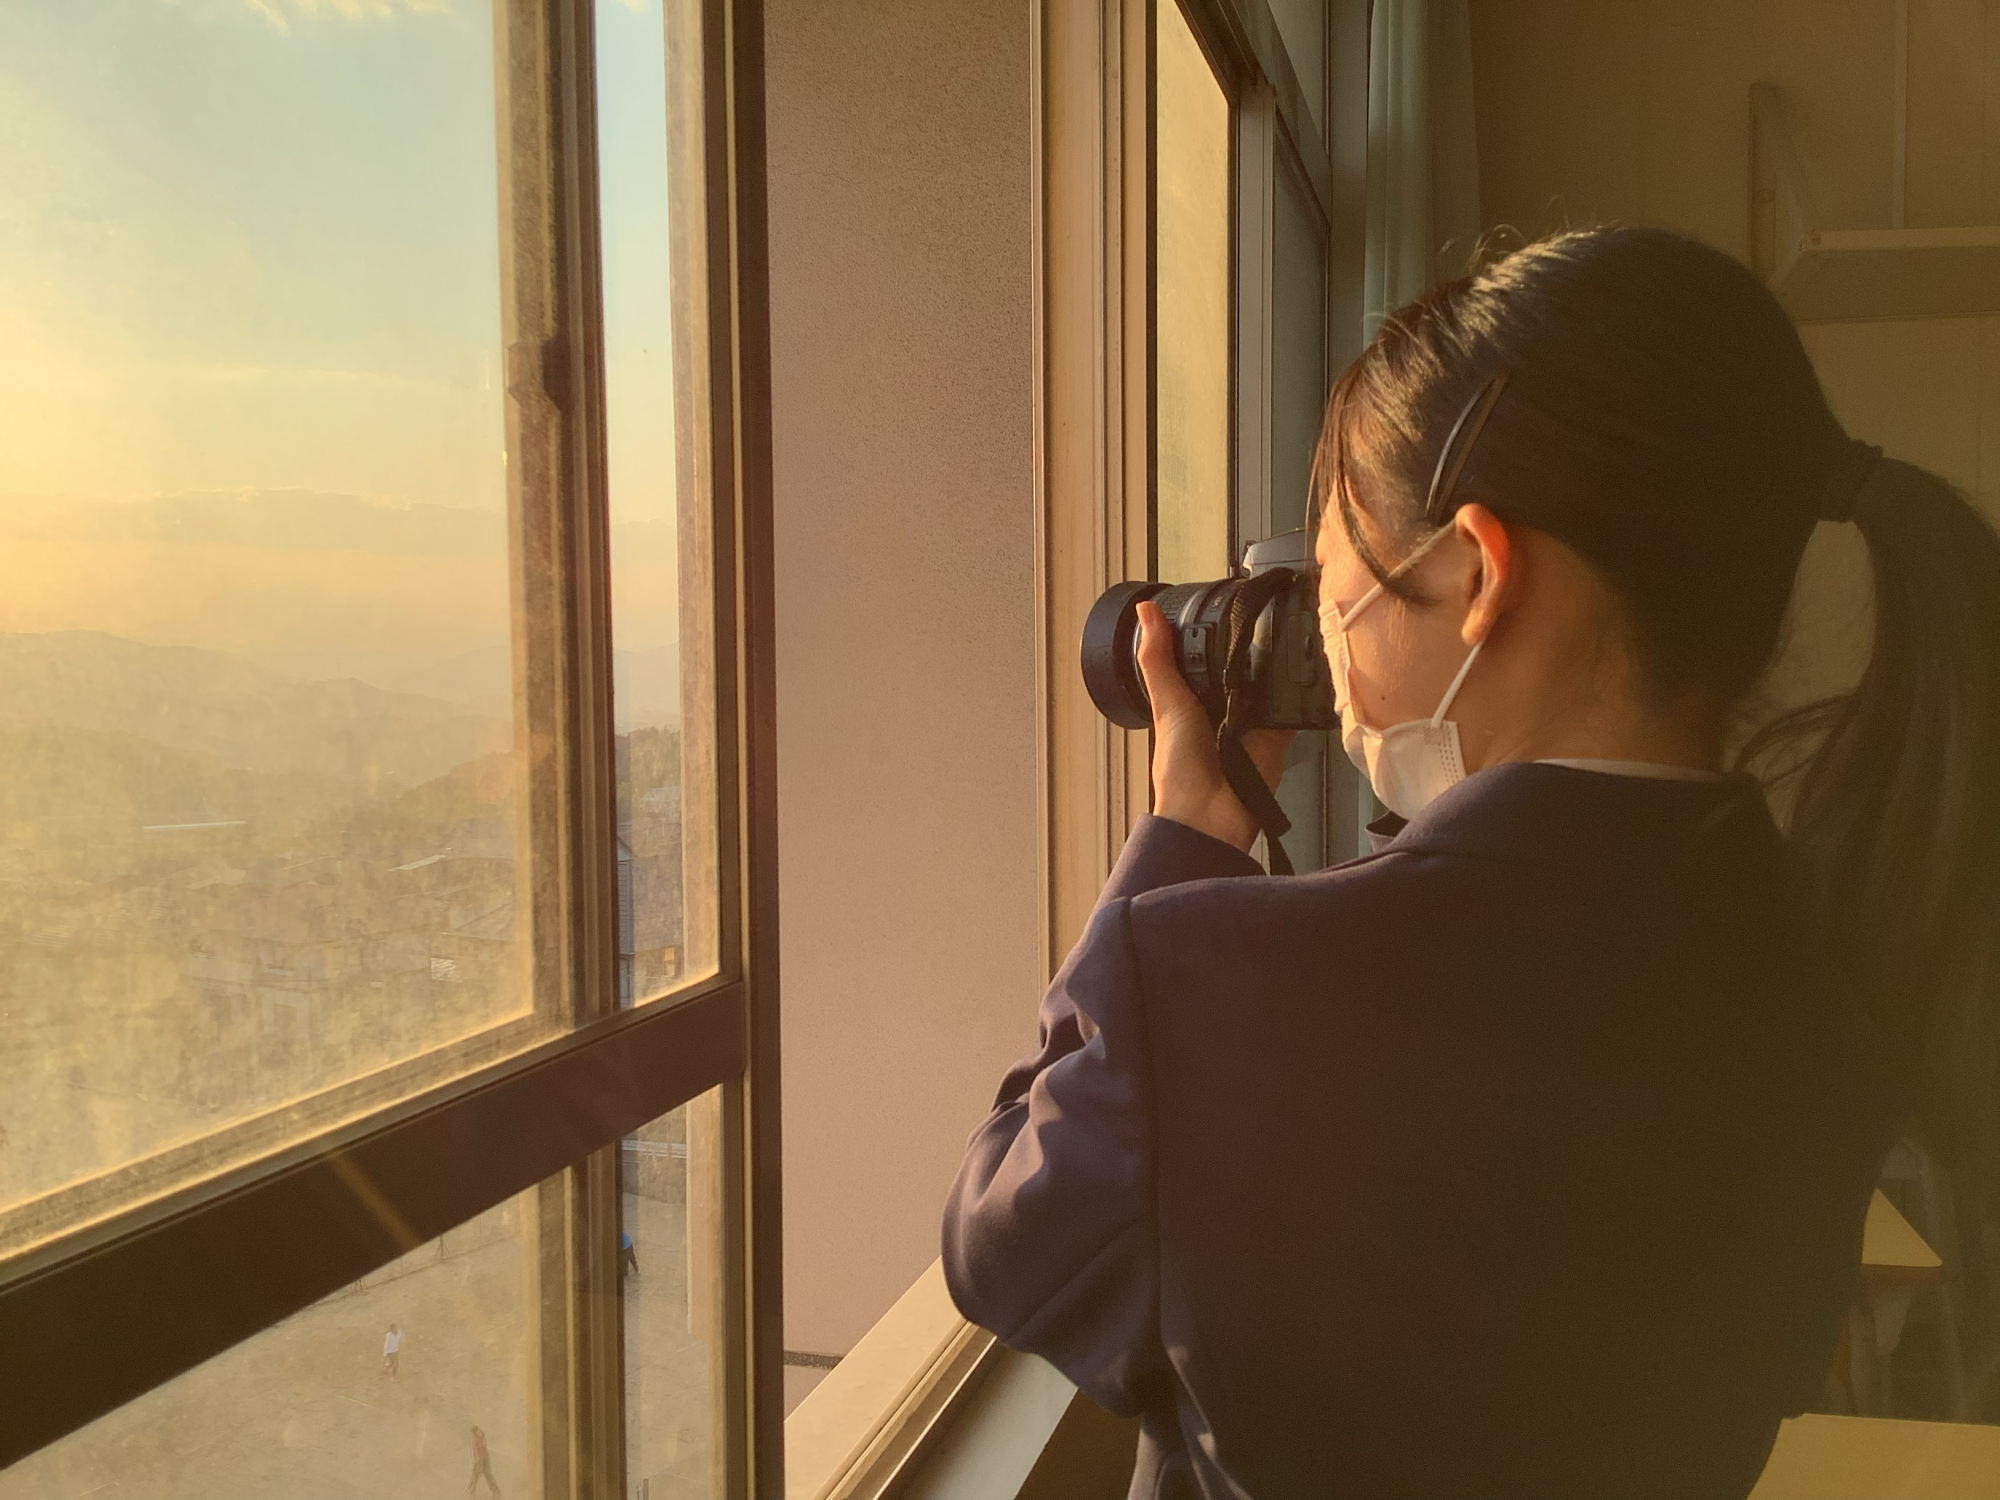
{"type": "Point", "coordinates": [1526, 1157]}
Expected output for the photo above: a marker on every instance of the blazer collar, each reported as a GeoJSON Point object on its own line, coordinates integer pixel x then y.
{"type": "Point", "coordinates": [1532, 812]}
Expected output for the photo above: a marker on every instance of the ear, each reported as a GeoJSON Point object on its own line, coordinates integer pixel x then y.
{"type": "Point", "coordinates": [1494, 584]}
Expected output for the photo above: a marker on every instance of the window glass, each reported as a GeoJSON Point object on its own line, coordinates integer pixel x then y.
{"type": "Point", "coordinates": [648, 81]}
{"type": "Point", "coordinates": [377, 1390]}
{"type": "Point", "coordinates": [1299, 381]}
{"type": "Point", "coordinates": [1317, 781]}
{"type": "Point", "coordinates": [1191, 292]}
{"type": "Point", "coordinates": [670, 1218]}
{"type": "Point", "coordinates": [397, 1386]}
{"type": "Point", "coordinates": [261, 831]}
{"type": "Point", "coordinates": [1302, 25]}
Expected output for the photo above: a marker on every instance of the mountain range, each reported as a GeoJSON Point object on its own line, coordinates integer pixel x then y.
{"type": "Point", "coordinates": [646, 685]}
{"type": "Point", "coordinates": [212, 714]}
{"type": "Point", "coordinates": [105, 777]}
{"type": "Point", "coordinates": [237, 713]}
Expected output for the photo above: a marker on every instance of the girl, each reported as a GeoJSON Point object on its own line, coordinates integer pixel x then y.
{"type": "Point", "coordinates": [1529, 1155]}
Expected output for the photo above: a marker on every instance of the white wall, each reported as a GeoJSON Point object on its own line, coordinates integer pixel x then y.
{"type": "Point", "coordinates": [900, 299]}
{"type": "Point", "coordinates": [1638, 110]}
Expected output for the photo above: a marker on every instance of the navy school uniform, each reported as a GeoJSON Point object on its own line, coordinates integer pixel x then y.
{"type": "Point", "coordinates": [1525, 1157]}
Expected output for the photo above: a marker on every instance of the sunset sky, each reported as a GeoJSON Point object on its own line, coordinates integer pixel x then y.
{"type": "Point", "coordinates": [251, 246]}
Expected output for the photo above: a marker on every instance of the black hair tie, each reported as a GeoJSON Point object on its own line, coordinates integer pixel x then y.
{"type": "Point", "coordinates": [1837, 498]}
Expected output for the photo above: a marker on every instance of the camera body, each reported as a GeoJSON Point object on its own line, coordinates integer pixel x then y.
{"type": "Point", "coordinates": [1272, 657]}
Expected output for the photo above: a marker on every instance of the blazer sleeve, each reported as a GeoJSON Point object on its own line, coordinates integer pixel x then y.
{"type": "Point", "coordinates": [1049, 1235]}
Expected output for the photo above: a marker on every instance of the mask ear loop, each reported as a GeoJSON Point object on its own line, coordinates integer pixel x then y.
{"type": "Point", "coordinates": [1444, 480]}
{"type": "Point", "coordinates": [1444, 706]}
{"type": "Point", "coordinates": [1423, 550]}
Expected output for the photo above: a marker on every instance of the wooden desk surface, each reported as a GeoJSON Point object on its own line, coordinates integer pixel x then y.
{"type": "Point", "coordinates": [1871, 1458]}
{"type": "Point", "coordinates": [1892, 1249]}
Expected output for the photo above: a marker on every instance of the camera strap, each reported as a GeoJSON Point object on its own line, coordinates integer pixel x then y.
{"type": "Point", "coordinates": [1248, 783]}
{"type": "Point", "coordinates": [1238, 682]}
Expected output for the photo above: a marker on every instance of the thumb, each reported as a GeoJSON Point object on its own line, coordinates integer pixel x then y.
{"type": "Point", "coordinates": [1171, 697]}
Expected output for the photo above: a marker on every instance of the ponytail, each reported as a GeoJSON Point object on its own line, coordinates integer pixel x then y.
{"type": "Point", "coordinates": [1897, 811]}
{"type": "Point", "coordinates": [1662, 419]}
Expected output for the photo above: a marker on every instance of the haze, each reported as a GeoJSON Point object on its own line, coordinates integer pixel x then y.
{"type": "Point", "coordinates": [252, 329]}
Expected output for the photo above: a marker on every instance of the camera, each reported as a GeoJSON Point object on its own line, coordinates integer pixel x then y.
{"type": "Point", "coordinates": [1248, 644]}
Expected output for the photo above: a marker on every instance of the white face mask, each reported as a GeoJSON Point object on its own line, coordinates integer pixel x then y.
{"type": "Point", "coordinates": [1407, 764]}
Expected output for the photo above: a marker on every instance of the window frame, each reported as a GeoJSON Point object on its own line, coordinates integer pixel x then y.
{"type": "Point", "coordinates": [1095, 488]}
{"type": "Point", "coordinates": [1274, 131]}
{"type": "Point", "coordinates": [158, 1288]}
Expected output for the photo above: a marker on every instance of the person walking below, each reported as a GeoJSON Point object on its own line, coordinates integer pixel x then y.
{"type": "Point", "coordinates": [392, 1345]}
{"type": "Point", "coordinates": [625, 1250]}
{"type": "Point", "coordinates": [482, 1464]}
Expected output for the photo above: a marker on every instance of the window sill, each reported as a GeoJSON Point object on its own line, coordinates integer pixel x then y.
{"type": "Point", "coordinates": [924, 1393]}
{"type": "Point", "coordinates": [927, 1404]}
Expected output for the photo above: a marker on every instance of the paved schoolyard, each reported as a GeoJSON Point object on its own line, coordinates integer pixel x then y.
{"type": "Point", "coordinates": [303, 1410]}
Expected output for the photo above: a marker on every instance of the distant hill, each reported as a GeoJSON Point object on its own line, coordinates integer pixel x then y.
{"type": "Point", "coordinates": [110, 779]}
{"type": "Point", "coordinates": [646, 685]}
{"type": "Point", "coordinates": [241, 714]}
{"type": "Point", "coordinates": [317, 585]}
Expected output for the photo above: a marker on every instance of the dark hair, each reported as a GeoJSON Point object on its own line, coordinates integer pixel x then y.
{"type": "Point", "coordinates": [1661, 418]}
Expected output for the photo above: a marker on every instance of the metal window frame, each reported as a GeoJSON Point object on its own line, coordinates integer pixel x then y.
{"type": "Point", "coordinates": [1094, 355]}
{"type": "Point", "coordinates": [1243, 37]}
{"type": "Point", "coordinates": [1274, 131]}
{"type": "Point", "coordinates": [156, 1289]}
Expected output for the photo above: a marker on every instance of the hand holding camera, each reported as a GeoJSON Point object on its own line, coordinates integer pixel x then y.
{"type": "Point", "coordinates": [1232, 667]}
{"type": "Point", "coordinates": [1188, 784]}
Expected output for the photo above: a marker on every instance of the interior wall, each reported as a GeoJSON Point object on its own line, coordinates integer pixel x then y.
{"type": "Point", "coordinates": [902, 406]}
{"type": "Point", "coordinates": [900, 218]}
{"type": "Point", "coordinates": [1638, 110]}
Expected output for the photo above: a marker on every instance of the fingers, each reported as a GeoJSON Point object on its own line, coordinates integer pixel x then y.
{"type": "Point", "coordinates": [1172, 698]}
{"type": "Point", "coordinates": [1174, 701]}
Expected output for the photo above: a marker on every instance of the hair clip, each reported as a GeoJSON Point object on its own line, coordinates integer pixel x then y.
{"type": "Point", "coordinates": [1445, 479]}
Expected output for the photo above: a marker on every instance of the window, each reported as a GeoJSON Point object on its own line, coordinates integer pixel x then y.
{"type": "Point", "coordinates": [382, 532]}
{"type": "Point", "coordinates": [650, 179]}
{"type": "Point", "coordinates": [1318, 780]}
{"type": "Point", "coordinates": [389, 1386]}
{"type": "Point", "coordinates": [266, 807]}
{"type": "Point", "coordinates": [1191, 231]}
{"type": "Point", "coordinates": [1199, 248]}
{"type": "Point", "coordinates": [671, 1299]}
{"type": "Point", "coordinates": [1245, 275]}
{"type": "Point", "coordinates": [422, 1374]}
{"type": "Point", "coordinates": [1306, 28]}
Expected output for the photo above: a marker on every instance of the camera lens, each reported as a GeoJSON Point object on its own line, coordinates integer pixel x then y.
{"type": "Point", "coordinates": [1274, 649]}
{"type": "Point", "coordinates": [1194, 614]}
{"type": "Point", "coordinates": [1110, 654]}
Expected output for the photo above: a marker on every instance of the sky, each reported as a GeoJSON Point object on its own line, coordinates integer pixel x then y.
{"type": "Point", "coordinates": [249, 252]}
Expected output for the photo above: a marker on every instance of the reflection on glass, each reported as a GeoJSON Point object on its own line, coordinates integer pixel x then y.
{"type": "Point", "coordinates": [1299, 377]}
{"type": "Point", "coordinates": [649, 185]}
{"type": "Point", "coordinates": [1191, 292]}
{"type": "Point", "coordinates": [258, 827]}
{"type": "Point", "coordinates": [1302, 793]}
{"type": "Point", "coordinates": [413, 1382]}
{"type": "Point", "coordinates": [1302, 25]}
{"type": "Point", "coordinates": [669, 1227]}
{"type": "Point", "coordinates": [1317, 775]}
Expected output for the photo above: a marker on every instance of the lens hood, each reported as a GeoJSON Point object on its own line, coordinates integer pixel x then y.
{"type": "Point", "coordinates": [1110, 654]}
